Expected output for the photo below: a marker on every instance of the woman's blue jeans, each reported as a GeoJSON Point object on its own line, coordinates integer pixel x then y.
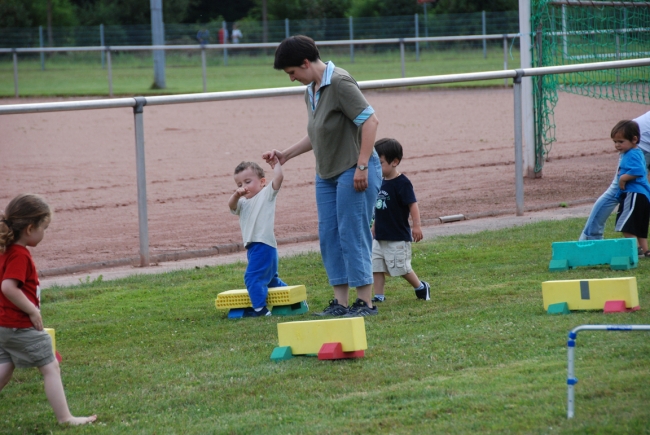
{"type": "Point", "coordinates": [603, 207]}
{"type": "Point", "coordinates": [344, 217]}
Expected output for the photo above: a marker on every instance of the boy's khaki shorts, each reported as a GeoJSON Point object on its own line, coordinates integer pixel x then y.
{"type": "Point", "coordinates": [391, 257]}
{"type": "Point", "coordinates": [25, 347]}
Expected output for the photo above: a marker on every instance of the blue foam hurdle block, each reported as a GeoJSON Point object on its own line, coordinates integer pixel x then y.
{"type": "Point", "coordinates": [620, 254]}
{"type": "Point", "coordinates": [236, 313]}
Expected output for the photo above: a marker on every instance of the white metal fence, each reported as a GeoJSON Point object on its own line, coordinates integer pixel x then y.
{"type": "Point", "coordinates": [138, 104]}
{"type": "Point", "coordinates": [108, 50]}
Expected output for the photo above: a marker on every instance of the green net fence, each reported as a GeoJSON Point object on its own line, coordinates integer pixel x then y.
{"type": "Point", "coordinates": [577, 31]}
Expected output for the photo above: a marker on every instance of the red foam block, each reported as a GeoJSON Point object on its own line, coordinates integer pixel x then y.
{"type": "Point", "coordinates": [335, 351]}
{"type": "Point", "coordinates": [618, 307]}
{"type": "Point", "coordinates": [58, 356]}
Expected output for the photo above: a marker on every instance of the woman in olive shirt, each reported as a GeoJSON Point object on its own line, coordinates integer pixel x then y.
{"type": "Point", "coordinates": [341, 131]}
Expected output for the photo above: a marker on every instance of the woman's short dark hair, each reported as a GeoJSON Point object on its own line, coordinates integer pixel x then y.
{"type": "Point", "coordinates": [390, 149]}
{"type": "Point", "coordinates": [629, 129]}
{"type": "Point", "coordinates": [294, 50]}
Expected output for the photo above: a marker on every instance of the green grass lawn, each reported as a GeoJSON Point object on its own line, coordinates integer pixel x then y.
{"type": "Point", "coordinates": [78, 74]}
{"type": "Point", "coordinates": [151, 354]}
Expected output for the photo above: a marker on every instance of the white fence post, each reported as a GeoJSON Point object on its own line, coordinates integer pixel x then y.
{"type": "Point", "coordinates": [417, 35]}
{"type": "Point", "coordinates": [351, 43]}
{"type": "Point", "coordinates": [519, 163]}
{"type": "Point", "coordinates": [528, 114]}
{"type": "Point", "coordinates": [484, 22]}
{"type": "Point", "coordinates": [225, 41]}
{"type": "Point", "coordinates": [401, 56]}
{"type": "Point", "coordinates": [109, 66]}
{"type": "Point", "coordinates": [203, 68]}
{"type": "Point", "coordinates": [505, 58]}
{"type": "Point", "coordinates": [158, 38]}
{"type": "Point", "coordinates": [40, 41]}
{"type": "Point", "coordinates": [15, 58]}
{"type": "Point", "coordinates": [143, 221]}
{"type": "Point", "coordinates": [101, 43]}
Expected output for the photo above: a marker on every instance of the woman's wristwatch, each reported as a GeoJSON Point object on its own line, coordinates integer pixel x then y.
{"type": "Point", "coordinates": [362, 167]}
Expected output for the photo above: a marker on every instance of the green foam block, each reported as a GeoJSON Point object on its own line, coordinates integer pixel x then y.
{"type": "Point", "coordinates": [281, 353]}
{"type": "Point", "coordinates": [559, 308]}
{"type": "Point", "coordinates": [290, 310]}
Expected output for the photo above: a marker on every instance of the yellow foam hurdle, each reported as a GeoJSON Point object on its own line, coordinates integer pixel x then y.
{"type": "Point", "coordinates": [52, 333]}
{"type": "Point", "coordinates": [309, 336]}
{"type": "Point", "coordinates": [590, 294]}
{"type": "Point", "coordinates": [277, 296]}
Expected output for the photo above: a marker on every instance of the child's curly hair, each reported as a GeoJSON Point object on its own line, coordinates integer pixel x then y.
{"type": "Point", "coordinates": [257, 169]}
{"type": "Point", "coordinates": [24, 210]}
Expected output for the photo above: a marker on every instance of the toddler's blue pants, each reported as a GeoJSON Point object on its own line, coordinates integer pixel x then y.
{"type": "Point", "coordinates": [261, 273]}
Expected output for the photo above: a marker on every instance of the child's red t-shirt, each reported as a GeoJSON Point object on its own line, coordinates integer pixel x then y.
{"type": "Point", "coordinates": [16, 263]}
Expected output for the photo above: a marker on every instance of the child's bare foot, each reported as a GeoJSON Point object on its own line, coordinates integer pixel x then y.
{"type": "Point", "coordinates": [77, 421]}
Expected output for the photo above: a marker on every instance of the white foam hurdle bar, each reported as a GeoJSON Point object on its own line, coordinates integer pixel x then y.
{"type": "Point", "coordinates": [571, 344]}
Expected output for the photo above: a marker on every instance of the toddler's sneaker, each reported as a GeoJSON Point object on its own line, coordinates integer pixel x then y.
{"type": "Point", "coordinates": [378, 298]}
{"type": "Point", "coordinates": [360, 309]}
{"type": "Point", "coordinates": [250, 312]}
{"type": "Point", "coordinates": [333, 309]}
{"type": "Point", "coordinates": [424, 293]}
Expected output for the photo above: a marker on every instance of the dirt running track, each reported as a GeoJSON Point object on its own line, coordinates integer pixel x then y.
{"type": "Point", "coordinates": [458, 153]}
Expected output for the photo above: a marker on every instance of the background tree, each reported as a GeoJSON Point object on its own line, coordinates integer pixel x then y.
{"type": "Point", "coordinates": [117, 12]}
{"type": "Point", "coordinates": [204, 11]}
{"type": "Point", "coordinates": [466, 6]}
{"type": "Point", "coordinates": [21, 13]}
{"type": "Point", "coordinates": [384, 8]}
{"type": "Point", "coordinates": [301, 9]}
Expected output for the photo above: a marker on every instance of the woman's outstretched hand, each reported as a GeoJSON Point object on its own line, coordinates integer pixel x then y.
{"type": "Point", "coordinates": [274, 156]}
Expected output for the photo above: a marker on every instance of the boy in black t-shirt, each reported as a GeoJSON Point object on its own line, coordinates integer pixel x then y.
{"type": "Point", "coordinates": [391, 247]}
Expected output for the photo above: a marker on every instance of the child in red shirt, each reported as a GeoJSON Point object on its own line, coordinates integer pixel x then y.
{"type": "Point", "coordinates": [23, 342]}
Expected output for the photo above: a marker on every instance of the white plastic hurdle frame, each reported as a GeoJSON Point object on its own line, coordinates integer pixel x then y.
{"type": "Point", "coordinates": [138, 104]}
{"type": "Point", "coordinates": [571, 344]}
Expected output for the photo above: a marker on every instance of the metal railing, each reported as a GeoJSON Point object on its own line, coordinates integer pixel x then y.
{"type": "Point", "coordinates": [571, 345]}
{"type": "Point", "coordinates": [138, 104]}
{"type": "Point", "coordinates": [108, 50]}
{"type": "Point", "coordinates": [331, 29]}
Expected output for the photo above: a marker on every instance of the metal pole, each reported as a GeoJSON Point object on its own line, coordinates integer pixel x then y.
{"type": "Point", "coordinates": [15, 56]}
{"type": "Point", "coordinates": [571, 344]}
{"type": "Point", "coordinates": [110, 71]}
{"type": "Point", "coordinates": [141, 180]}
{"type": "Point", "coordinates": [570, 378]}
{"type": "Point", "coordinates": [158, 38]}
{"type": "Point", "coordinates": [484, 21]}
{"type": "Point", "coordinates": [225, 41]}
{"type": "Point", "coordinates": [519, 163]}
{"type": "Point", "coordinates": [565, 50]}
{"type": "Point", "coordinates": [625, 28]}
{"type": "Point", "coordinates": [286, 27]}
{"type": "Point", "coordinates": [205, 81]}
{"type": "Point", "coordinates": [426, 24]}
{"type": "Point", "coordinates": [618, 57]}
{"type": "Point", "coordinates": [101, 42]}
{"type": "Point", "coordinates": [528, 113]}
{"type": "Point", "coordinates": [401, 55]}
{"type": "Point", "coordinates": [40, 41]}
{"type": "Point", "coordinates": [417, 35]}
{"type": "Point", "coordinates": [351, 43]}
{"type": "Point", "coordinates": [505, 58]}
